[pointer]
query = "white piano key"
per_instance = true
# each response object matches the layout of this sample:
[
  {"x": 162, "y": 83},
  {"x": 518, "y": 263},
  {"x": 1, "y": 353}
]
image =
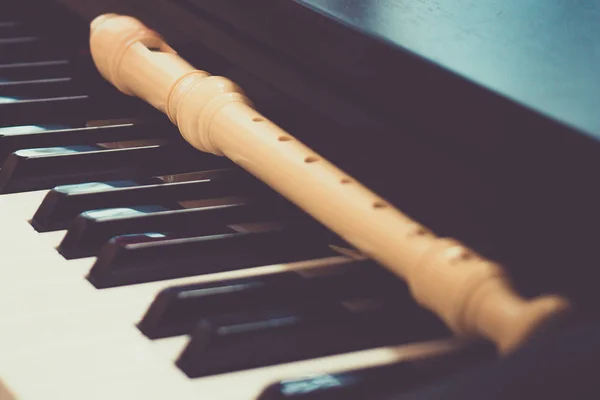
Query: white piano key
[
  {"x": 23, "y": 204},
  {"x": 52, "y": 239},
  {"x": 119, "y": 369},
  {"x": 75, "y": 341}
]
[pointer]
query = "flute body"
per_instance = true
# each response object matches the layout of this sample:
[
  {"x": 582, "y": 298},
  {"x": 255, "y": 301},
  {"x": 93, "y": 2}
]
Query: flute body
[{"x": 471, "y": 294}]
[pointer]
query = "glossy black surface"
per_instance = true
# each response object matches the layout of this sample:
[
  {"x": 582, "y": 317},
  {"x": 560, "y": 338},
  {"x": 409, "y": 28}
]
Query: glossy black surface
[
  {"x": 63, "y": 108},
  {"x": 34, "y": 136},
  {"x": 378, "y": 383},
  {"x": 176, "y": 310},
  {"x": 11, "y": 29},
  {"x": 249, "y": 340},
  {"x": 91, "y": 229},
  {"x": 40, "y": 88},
  {"x": 27, "y": 33},
  {"x": 44, "y": 168},
  {"x": 540, "y": 53},
  {"x": 121, "y": 262},
  {"x": 21, "y": 112},
  {"x": 46, "y": 74},
  {"x": 28, "y": 71},
  {"x": 29, "y": 47},
  {"x": 64, "y": 203}
]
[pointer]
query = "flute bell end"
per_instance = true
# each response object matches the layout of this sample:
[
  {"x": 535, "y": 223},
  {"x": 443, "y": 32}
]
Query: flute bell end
[{"x": 532, "y": 320}]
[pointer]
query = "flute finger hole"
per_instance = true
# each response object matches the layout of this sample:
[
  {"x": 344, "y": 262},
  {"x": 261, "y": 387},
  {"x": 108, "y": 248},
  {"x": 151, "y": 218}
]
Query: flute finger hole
[
  {"x": 379, "y": 204},
  {"x": 311, "y": 159},
  {"x": 258, "y": 119},
  {"x": 420, "y": 231},
  {"x": 284, "y": 138},
  {"x": 345, "y": 181}
]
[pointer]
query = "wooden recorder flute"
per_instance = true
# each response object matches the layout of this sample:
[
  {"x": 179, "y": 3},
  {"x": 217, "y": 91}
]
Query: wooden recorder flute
[{"x": 471, "y": 294}]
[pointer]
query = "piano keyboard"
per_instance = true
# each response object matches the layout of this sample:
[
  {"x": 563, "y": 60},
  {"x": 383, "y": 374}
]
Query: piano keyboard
[{"x": 134, "y": 267}]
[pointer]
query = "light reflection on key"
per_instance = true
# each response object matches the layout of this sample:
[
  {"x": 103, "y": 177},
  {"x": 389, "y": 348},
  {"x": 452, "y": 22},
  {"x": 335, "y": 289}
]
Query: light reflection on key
[
  {"x": 110, "y": 213},
  {"x": 92, "y": 187},
  {"x": 55, "y": 150},
  {"x": 29, "y": 129},
  {"x": 5, "y": 100}
]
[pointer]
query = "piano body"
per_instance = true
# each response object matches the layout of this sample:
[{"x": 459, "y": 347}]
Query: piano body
[{"x": 478, "y": 119}]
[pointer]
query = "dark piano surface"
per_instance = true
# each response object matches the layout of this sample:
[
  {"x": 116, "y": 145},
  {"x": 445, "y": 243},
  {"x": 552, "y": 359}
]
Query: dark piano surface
[
  {"x": 478, "y": 118},
  {"x": 540, "y": 53}
]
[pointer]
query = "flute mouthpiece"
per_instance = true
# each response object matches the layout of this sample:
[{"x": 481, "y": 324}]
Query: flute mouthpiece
[{"x": 111, "y": 35}]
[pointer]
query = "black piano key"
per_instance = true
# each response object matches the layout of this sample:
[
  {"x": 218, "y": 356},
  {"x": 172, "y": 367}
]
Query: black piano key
[
  {"x": 21, "y": 112},
  {"x": 34, "y": 47},
  {"x": 41, "y": 20},
  {"x": 29, "y": 71},
  {"x": 63, "y": 203},
  {"x": 121, "y": 262},
  {"x": 13, "y": 9},
  {"x": 20, "y": 48},
  {"x": 44, "y": 168},
  {"x": 250, "y": 340},
  {"x": 55, "y": 109},
  {"x": 376, "y": 383},
  {"x": 36, "y": 136},
  {"x": 91, "y": 229},
  {"x": 39, "y": 88},
  {"x": 42, "y": 17},
  {"x": 58, "y": 109},
  {"x": 176, "y": 310},
  {"x": 13, "y": 28}
]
